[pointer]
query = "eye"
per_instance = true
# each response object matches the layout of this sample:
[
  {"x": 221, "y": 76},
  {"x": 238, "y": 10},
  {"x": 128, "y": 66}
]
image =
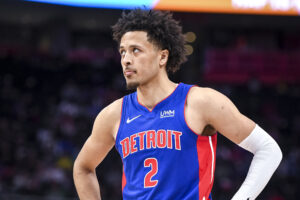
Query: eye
[
  {"x": 136, "y": 50},
  {"x": 122, "y": 52}
]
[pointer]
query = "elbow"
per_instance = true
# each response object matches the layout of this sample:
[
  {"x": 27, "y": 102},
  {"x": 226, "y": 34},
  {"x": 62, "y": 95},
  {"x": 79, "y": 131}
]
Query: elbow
[
  {"x": 274, "y": 154},
  {"x": 76, "y": 169},
  {"x": 80, "y": 168},
  {"x": 76, "y": 166}
]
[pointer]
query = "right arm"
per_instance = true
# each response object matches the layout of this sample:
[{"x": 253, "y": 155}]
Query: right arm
[{"x": 95, "y": 150}]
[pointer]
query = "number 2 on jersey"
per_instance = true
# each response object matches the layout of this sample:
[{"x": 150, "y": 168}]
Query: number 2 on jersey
[{"x": 148, "y": 182}]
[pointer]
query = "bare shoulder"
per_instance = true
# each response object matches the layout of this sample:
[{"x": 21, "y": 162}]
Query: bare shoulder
[
  {"x": 204, "y": 96},
  {"x": 112, "y": 112},
  {"x": 100, "y": 142},
  {"x": 109, "y": 118},
  {"x": 210, "y": 102},
  {"x": 218, "y": 111},
  {"x": 198, "y": 105}
]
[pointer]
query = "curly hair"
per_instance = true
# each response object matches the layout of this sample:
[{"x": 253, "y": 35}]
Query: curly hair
[{"x": 162, "y": 30}]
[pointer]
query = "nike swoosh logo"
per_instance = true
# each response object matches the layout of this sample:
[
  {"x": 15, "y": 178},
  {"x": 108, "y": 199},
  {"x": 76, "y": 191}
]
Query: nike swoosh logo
[{"x": 130, "y": 120}]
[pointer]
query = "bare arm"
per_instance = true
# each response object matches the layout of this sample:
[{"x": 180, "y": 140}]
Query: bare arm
[
  {"x": 209, "y": 107},
  {"x": 223, "y": 115},
  {"x": 220, "y": 113},
  {"x": 95, "y": 150}
]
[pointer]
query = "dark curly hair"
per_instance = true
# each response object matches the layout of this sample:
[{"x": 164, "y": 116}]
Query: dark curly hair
[{"x": 162, "y": 30}]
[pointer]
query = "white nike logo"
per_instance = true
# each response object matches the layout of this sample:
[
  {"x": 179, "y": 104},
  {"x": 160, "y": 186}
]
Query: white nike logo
[{"x": 130, "y": 120}]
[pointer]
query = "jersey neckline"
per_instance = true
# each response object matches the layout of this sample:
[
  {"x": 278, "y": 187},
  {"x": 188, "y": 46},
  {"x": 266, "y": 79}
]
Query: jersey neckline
[{"x": 160, "y": 103}]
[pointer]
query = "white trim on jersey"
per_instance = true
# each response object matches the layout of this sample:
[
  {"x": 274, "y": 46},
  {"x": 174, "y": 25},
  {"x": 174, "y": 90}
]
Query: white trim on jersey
[{"x": 212, "y": 159}]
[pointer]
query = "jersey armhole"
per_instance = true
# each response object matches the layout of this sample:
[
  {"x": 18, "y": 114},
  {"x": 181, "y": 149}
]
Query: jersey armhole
[
  {"x": 121, "y": 122},
  {"x": 184, "y": 121}
]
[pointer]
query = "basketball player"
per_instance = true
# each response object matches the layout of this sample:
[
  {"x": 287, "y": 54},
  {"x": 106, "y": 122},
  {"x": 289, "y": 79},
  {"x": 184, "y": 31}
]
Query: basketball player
[{"x": 165, "y": 132}]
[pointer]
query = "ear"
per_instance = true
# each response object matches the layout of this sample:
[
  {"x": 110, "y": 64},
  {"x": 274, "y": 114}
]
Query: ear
[{"x": 164, "y": 56}]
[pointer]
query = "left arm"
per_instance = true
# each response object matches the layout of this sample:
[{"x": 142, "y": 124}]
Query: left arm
[{"x": 220, "y": 113}]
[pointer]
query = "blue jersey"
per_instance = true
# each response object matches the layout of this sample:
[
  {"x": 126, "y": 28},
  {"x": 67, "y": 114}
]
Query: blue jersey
[{"x": 162, "y": 157}]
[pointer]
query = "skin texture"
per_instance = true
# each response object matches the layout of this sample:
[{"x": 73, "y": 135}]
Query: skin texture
[{"x": 143, "y": 64}]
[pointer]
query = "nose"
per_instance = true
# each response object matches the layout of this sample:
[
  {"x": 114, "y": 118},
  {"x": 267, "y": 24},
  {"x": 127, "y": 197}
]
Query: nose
[{"x": 127, "y": 59}]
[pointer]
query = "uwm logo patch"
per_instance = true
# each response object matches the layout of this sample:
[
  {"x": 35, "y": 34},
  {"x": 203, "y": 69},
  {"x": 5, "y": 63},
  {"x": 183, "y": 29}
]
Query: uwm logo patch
[{"x": 167, "y": 113}]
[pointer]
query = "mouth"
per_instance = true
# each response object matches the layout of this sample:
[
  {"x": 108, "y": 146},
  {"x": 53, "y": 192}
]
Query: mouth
[{"x": 129, "y": 73}]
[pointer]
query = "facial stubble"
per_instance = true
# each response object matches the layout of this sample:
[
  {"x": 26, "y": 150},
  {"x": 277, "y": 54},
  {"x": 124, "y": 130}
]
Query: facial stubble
[{"x": 132, "y": 85}]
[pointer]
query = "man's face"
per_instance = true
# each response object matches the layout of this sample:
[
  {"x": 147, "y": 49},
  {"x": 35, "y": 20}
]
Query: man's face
[{"x": 140, "y": 59}]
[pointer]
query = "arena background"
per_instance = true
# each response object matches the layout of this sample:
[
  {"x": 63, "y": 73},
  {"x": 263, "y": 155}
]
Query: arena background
[{"x": 59, "y": 67}]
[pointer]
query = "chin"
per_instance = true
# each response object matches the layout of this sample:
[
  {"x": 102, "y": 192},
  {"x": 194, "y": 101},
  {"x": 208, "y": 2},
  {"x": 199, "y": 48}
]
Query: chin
[{"x": 132, "y": 85}]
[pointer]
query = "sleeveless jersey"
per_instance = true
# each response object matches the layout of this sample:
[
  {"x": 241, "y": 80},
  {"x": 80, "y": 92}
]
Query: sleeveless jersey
[{"x": 162, "y": 157}]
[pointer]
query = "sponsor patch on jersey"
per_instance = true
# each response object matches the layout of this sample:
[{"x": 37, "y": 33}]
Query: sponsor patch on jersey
[{"x": 167, "y": 113}]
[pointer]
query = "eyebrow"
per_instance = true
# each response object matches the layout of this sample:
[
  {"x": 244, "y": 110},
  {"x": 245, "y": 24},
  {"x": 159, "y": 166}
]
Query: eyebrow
[{"x": 131, "y": 46}]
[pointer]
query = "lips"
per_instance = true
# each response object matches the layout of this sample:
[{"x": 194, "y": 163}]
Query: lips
[{"x": 129, "y": 72}]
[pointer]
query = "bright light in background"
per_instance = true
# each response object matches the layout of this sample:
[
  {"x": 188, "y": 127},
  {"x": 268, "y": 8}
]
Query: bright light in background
[
  {"x": 271, "y": 7},
  {"x": 190, "y": 37},
  {"x": 283, "y": 5},
  {"x": 189, "y": 49},
  {"x": 115, "y": 4}
]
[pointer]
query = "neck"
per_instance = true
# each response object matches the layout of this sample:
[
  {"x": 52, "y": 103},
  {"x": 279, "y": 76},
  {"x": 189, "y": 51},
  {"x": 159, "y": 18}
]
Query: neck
[{"x": 152, "y": 93}]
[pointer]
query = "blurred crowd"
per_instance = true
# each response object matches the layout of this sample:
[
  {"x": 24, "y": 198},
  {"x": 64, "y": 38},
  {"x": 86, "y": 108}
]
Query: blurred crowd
[
  {"x": 46, "y": 115},
  {"x": 49, "y": 98}
]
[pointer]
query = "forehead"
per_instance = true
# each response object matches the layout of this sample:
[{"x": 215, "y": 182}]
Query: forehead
[{"x": 139, "y": 38}]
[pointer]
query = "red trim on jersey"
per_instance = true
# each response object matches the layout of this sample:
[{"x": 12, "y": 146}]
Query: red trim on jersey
[
  {"x": 206, "y": 160},
  {"x": 184, "y": 110},
  {"x": 158, "y": 102},
  {"x": 206, "y": 164},
  {"x": 123, "y": 174},
  {"x": 120, "y": 118},
  {"x": 198, "y": 134},
  {"x": 123, "y": 180}
]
